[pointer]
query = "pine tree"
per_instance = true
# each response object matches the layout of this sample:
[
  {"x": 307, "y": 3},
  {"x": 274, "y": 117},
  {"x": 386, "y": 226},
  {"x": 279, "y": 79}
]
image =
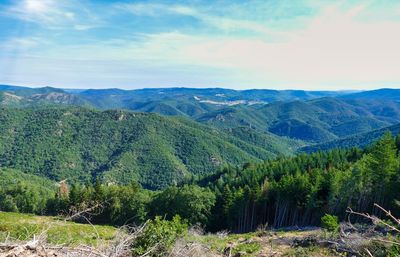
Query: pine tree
[{"x": 382, "y": 166}]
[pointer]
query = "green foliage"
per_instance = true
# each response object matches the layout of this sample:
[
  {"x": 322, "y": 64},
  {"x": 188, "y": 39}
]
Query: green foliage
[
  {"x": 330, "y": 223},
  {"x": 286, "y": 191},
  {"x": 192, "y": 203},
  {"x": 127, "y": 204},
  {"x": 158, "y": 236},
  {"x": 122, "y": 151},
  {"x": 20, "y": 192},
  {"x": 316, "y": 120},
  {"x": 117, "y": 205},
  {"x": 115, "y": 146},
  {"x": 247, "y": 249},
  {"x": 281, "y": 192},
  {"x": 394, "y": 250},
  {"x": 32, "y": 97},
  {"x": 361, "y": 140},
  {"x": 266, "y": 140},
  {"x": 300, "y": 190}
]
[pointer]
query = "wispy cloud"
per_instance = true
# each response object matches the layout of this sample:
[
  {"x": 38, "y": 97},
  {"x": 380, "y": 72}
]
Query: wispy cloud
[
  {"x": 40, "y": 11},
  {"x": 22, "y": 43},
  {"x": 220, "y": 22},
  {"x": 338, "y": 44},
  {"x": 52, "y": 14},
  {"x": 153, "y": 9}
]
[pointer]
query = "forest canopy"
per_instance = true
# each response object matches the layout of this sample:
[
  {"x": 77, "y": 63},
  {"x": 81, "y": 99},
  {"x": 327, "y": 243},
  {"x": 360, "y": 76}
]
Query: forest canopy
[{"x": 286, "y": 191}]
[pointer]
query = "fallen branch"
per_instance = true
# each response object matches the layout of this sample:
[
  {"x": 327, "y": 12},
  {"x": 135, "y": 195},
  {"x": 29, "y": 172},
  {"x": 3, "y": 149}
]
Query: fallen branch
[
  {"x": 374, "y": 219},
  {"x": 388, "y": 214}
]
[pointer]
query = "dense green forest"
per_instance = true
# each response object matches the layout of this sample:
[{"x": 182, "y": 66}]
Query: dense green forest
[
  {"x": 225, "y": 166},
  {"x": 313, "y": 121},
  {"x": 119, "y": 146},
  {"x": 298, "y": 191},
  {"x": 310, "y": 117},
  {"x": 361, "y": 140},
  {"x": 285, "y": 191}
]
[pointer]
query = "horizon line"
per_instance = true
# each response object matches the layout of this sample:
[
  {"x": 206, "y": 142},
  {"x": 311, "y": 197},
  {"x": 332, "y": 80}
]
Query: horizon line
[{"x": 200, "y": 88}]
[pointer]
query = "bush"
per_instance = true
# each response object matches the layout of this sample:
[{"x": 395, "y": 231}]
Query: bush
[
  {"x": 190, "y": 202},
  {"x": 330, "y": 223},
  {"x": 159, "y": 236}
]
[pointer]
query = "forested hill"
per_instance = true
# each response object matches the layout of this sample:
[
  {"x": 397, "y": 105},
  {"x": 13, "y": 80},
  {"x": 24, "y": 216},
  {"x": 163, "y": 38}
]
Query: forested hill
[
  {"x": 383, "y": 93},
  {"x": 314, "y": 121},
  {"x": 189, "y": 101},
  {"x": 119, "y": 146},
  {"x": 298, "y": 191},
  {"x": 312, "y": 117},
  {"x": 358, "y": 140},
  {"x": 283, "y": 192},
  {"x": 11, "y": 96}
]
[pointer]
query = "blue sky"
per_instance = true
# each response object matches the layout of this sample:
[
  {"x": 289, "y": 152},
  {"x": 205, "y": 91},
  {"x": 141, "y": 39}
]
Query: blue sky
[{"x": 234, "y": 44}]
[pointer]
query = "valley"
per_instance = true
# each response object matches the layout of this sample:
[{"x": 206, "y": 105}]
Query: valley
[
  {"x": 310, "y": 117},
  {"x": 161, "y": 137},
  {"x": 167, "y": 161}
]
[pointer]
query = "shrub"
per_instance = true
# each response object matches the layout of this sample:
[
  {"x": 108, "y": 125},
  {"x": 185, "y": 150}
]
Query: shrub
[
  {"x": 330, "y": 223},
  {"x": 159, "y": 236}
]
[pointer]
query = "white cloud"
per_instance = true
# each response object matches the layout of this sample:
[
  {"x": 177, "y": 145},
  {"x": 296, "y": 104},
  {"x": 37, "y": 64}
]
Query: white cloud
[
  {"x": 222, "y": 23},
  {"x": 397, "y": 12},
  {"x": 337, "y": 47},
  {"x": 183, "y": 10},
  {"x": 53, "y": 14},
  {"x": 36, "y": 6},
  {"x": 139, "y": 9},
  {"x": 83, "y": 27},
  {"x": 40, "y": 11},
  {"x": 21, "y": 43},
  {"x": 152, "y": 9},
  {"x": 70, "y": 15}
]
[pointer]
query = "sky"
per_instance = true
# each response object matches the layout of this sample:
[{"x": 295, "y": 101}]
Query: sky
[{"x": 240, "y": 44}]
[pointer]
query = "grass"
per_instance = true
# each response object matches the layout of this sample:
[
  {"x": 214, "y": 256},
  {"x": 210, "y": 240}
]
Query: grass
[
  {"x": 23, "y": 227},
  {"x": 242, "y": 244},
  {"x": 247, "y": 249},
  {"x": 265, "y": 243}
]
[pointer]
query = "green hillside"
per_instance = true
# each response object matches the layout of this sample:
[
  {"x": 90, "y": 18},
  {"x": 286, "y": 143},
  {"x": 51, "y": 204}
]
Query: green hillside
[
  {"x": 268, "y": 141},
  {"x": 29, "y": 97},
  {"x": 383, "y": 93},
  {"x": 278, "y": 121},
  {"x": 105, "y": 98},
  {"x": 171, "y": 107},
  {"x": 235, "y": 116},
  {"x": 312, "y": 117},
  {"x": 24, "y": 192},
  {"x": 359, "y": 140},
  {"x": 118, "y": 146},
  {"x": 315, "y": 121}
]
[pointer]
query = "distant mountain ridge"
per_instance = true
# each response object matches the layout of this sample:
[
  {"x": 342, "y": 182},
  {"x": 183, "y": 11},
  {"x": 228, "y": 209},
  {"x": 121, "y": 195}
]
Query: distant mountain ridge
[
  {"x": 119, "y": 135},
  {"x": 316, "y": 120},
  {"x": 11, "y": 96},
  {"x": 383, "y": 93},
  {"x": 119, "y": 98},
  {"x": 359, "y": 140},
  {"x": 309, "y": 116}
]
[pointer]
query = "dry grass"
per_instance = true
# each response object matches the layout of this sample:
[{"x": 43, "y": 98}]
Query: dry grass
[{"x": 27, "y": 235}]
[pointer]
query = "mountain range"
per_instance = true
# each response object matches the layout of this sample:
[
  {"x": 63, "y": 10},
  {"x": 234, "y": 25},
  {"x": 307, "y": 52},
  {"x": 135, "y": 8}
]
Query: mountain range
[{"x": 163, "y": 136}]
